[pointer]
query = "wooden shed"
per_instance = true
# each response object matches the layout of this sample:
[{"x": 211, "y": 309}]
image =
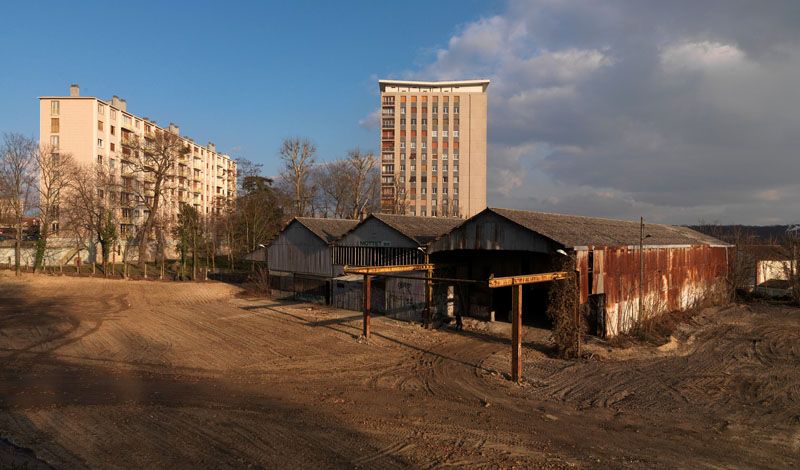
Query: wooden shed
[
  {"x": 681, "y": 267},
  {"x": 300, "y": 257},
  {"x": 384, "y": 240}
]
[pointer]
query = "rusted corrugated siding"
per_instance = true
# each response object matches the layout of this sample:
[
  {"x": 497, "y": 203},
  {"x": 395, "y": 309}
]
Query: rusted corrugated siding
[{"x": 675, "y": 278}]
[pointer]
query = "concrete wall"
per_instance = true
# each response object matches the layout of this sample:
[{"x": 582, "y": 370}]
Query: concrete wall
[{"x": 768, "y": 270}]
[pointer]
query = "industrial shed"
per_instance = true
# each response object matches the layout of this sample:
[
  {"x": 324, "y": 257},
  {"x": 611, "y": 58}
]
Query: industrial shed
[
  {"x": 681, "y": 266},
  {"x": 300, "y": 258},
  {"x": 386, "y": 240}
]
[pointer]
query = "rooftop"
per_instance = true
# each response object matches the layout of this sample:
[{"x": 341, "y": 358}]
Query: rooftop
[
  {"x": 420, "y": 229},
  {"x": 574, "y": 230},
  {"x": 444, "y": 83},
  {"x": 327, "y": 230}
]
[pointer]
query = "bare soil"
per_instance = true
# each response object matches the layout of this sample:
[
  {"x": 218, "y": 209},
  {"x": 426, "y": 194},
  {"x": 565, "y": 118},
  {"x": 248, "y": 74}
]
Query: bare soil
[{"x": 111, "y": 373}]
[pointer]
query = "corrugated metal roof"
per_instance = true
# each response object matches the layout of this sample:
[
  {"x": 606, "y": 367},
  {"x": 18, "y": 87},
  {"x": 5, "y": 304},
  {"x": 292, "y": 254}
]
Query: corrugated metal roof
[
  {"x": 420, "y": 229},
  {"x": 327, "y": 230},
  {"x": 575, "y": 230}
]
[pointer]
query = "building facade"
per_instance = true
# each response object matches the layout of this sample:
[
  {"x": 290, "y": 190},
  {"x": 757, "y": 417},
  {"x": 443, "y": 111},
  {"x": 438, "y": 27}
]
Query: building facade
[
  {"x": 433, "y": 147},
  {"x": 95, "y": 131}
]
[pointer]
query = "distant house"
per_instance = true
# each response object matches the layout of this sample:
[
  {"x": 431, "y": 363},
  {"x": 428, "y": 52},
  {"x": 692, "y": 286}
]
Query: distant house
[
  {"x": 768, "y": 268},
  {"x": 299, "y": 258}
]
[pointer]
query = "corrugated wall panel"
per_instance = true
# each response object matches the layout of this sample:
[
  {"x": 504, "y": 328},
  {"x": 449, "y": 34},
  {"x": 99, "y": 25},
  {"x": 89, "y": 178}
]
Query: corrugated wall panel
[{"x": 674, "y": 279}]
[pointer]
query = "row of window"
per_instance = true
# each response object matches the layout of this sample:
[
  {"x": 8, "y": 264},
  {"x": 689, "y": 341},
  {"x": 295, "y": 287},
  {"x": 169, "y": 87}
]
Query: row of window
[{"x": 434, "y": 110}]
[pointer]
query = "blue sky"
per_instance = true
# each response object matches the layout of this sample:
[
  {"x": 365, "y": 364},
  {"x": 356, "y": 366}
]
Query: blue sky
[{"x": 243, "y": 74}]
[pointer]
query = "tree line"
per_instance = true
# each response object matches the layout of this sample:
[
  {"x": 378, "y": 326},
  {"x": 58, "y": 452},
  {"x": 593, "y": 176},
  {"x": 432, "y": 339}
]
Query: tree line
[{"x": 91, "y": 204}]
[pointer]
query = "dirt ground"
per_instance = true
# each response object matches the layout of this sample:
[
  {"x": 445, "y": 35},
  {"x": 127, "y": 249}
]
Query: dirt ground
[{"x": 99, "y": 373}]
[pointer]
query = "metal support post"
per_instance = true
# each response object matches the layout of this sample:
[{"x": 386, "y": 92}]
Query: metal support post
[
  {"x": 367, "y": 300},
  {"x": 428, "y": 297},
  {"x": 516, "y": 333}
]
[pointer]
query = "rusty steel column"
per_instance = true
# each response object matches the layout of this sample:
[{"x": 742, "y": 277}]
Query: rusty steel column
[
  {"x": 428, "y": 297},
  {"x": 516, "y": 333},
  {"x": 367, "y": 301},
  {"x": 578, "y": 313}
]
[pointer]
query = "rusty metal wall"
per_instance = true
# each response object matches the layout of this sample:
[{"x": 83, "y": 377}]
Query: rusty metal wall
[{"x": 675, "y": 278}]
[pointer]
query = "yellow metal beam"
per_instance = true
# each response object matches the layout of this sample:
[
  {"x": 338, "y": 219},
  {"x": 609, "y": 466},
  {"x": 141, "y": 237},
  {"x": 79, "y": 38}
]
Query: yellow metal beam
[
  {"x": 527, "y": 279},
  {"x": 387, "y": 269}
]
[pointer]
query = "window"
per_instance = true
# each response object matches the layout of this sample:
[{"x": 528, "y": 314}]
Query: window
[
  {"x": 444, "y": 110},
  {"x": 54, "y": 127},
  {"x": 100, "y": 126},
  {"x": 112, "y": 146},
  {"x": 434, "y": 134},
  {"x": 100, "y": 109},
  {"x": 455, "y": 134},
  {"x": 138, "y": 124},
  {"x": 113, "y": 114},
  {"x": 100, "y": 143},
  {"x": 100, "y": 159},
  {"x": 126, "y": 120},
  {"x": 455, "y": 110},
  {"x": 113, "y": 130},
  {"x": 54, "y": 107},
  {"x": 54, "y": 142},
  {"x": 444, "y": 134},
  {"x": 112, "y": 162}
]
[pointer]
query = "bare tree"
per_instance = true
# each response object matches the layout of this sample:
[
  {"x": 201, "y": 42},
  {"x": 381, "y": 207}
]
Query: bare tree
[
  {"x": 399, "y": 199},
  {"x": 17, "y": 173},
  {"x": 332, "y": 180},
  {"x": 259, "y": 212},
  {"x": 298, "y": 156},
  {"x": 363, "y": 180},
  {"x": 742, "y": 265},
  {"x": 449, "y": 207},
  {"x": 90, "y": 209},
  {"x": 56, "y": 173},
  {"x": 155, "y": 156}
]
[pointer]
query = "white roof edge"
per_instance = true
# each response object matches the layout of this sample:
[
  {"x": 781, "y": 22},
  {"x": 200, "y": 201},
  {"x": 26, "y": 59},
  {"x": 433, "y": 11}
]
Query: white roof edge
[{"x": 440, "y": 83}]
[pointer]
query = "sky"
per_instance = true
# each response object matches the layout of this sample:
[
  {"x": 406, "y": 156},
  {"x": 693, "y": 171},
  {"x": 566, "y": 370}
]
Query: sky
[{"x": 677, "y": 111}]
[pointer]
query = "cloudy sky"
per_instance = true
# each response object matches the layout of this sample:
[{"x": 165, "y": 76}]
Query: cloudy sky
[
  {"x": 677, "y": 111},
  {"x": 674, "y": 110}
]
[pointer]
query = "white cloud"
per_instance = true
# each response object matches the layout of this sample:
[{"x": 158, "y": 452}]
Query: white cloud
[
  {"x": 701, "y": 55},
  {"x": 618, "y": 107},
  {"x": 372, "y": 120}
]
